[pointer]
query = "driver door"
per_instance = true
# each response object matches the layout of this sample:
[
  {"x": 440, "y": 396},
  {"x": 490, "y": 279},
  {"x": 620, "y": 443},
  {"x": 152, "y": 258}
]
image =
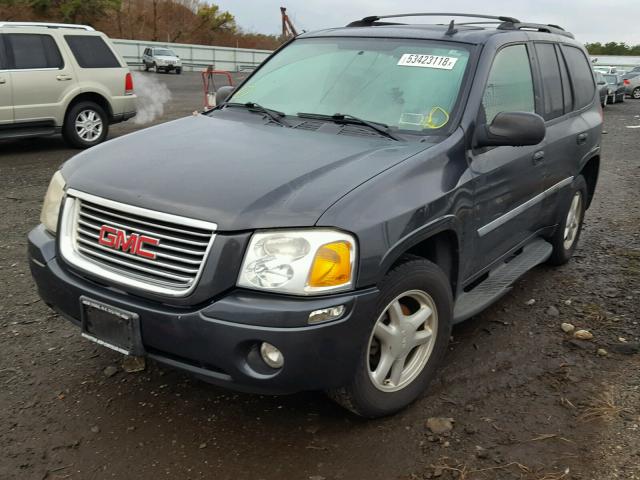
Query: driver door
[{"x": 508, "y": 180}]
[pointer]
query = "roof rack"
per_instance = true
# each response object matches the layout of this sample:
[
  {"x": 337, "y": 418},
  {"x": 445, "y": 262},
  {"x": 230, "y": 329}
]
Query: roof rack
[
  {"x": 504, "y": 23},
  {"x": 539, "y": 27},
  {"x": 47, "y": 25},
  {"x": 368, "y": 21}
]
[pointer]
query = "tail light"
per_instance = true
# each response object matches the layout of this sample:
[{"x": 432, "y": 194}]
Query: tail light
[
  {"x": 626, "y": 81},
  {"x": 128, "y": 84}
]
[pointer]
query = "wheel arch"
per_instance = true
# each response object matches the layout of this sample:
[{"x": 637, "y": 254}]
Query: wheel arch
[
  {"x": 590, "y": 172},
  {"x": 91, "y": 97},
  {"x": 437, "y": 242}
]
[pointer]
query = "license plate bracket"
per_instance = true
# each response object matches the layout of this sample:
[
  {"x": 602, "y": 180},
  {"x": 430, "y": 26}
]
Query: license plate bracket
[{"x": 111, "y": 327}]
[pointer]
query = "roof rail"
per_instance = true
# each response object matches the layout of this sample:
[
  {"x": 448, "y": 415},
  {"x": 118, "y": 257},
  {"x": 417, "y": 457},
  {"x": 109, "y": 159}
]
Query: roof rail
[
  {"x": 368, "y": 21},
  {"x": 46, "y": 25},
  {"x": 547, "y": 28},
  {"x": 504, "y": 23}
]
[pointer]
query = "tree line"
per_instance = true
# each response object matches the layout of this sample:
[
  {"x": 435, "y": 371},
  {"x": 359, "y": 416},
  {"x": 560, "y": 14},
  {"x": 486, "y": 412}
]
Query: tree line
[
  {"x": 181, "y": 21},
  {"x": 612, "y": 48}
]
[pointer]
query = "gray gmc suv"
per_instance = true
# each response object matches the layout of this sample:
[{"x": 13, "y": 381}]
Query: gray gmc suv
[{"x": 325, "y": 226}]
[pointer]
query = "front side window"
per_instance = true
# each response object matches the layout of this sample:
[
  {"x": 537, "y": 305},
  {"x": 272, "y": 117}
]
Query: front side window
[
  {"x": 3, "y": 56},
  {"x": 510, "y": 84},
  {"x": 33, "y": 51},
  {"x": 404, "y": 83}
]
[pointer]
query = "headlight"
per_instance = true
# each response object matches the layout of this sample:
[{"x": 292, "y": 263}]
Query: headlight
[
  {"x": 300, "y": 262},
  {"x": 52, "y": 201}
]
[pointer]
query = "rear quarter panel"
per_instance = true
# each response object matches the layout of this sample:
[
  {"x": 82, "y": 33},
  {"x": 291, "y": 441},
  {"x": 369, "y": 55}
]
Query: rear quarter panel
[{"x": 107, "y": 82}]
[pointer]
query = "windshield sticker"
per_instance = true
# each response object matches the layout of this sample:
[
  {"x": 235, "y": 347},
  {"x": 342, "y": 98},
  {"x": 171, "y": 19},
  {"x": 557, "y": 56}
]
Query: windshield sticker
[
  {"x": 415, "y": 119},
  {"x": 427, "y": 61}
]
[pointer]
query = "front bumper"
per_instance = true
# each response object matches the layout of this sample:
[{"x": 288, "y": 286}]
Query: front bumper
[{"x": 218, "y": 341}]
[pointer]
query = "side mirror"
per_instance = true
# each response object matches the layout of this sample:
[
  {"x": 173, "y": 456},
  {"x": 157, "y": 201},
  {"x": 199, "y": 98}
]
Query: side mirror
[
  {"x": 514, "y": 129},
  {"x": 223, "y": 93}
]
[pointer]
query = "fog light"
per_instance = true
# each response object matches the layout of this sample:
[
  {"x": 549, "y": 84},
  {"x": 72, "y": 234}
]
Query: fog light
[
  {"x": 271, "y": 355},
  {"x": 326, "y": 314}
]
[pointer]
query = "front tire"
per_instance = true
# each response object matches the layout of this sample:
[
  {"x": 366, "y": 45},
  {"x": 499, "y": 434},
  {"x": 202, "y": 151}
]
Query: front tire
[
  {"x": 565, "y": 239},
  {"x": 178, "y": 71},
  {"x": 408, "y": 338},
  {"x": 85, "y": 125}
]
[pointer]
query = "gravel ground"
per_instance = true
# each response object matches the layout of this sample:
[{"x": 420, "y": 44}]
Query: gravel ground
[{"x": 527, "y": 401}]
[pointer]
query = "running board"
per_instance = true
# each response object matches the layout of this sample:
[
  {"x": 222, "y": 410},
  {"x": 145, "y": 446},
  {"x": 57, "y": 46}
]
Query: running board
[{"x": 500, "y": 280}]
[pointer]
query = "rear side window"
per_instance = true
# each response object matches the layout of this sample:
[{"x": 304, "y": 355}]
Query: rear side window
[
  {"x": 566, "y": 83},
  {"x": 581, "y": 76},
  {"x": 32, "y": 51},
  {"x": 510, "y": 84},
  {"x": 551, "y": 80},
  {"x": 91, "y": 51}
]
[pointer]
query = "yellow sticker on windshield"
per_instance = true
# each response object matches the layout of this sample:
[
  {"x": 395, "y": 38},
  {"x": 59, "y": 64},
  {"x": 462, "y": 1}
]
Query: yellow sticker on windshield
[
  {"x": 427, "y": 61},
  {"x": 438, "y": 117}
]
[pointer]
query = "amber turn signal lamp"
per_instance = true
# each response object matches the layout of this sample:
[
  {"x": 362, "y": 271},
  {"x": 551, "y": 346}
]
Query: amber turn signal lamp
[{"x": 331, "y": 266}]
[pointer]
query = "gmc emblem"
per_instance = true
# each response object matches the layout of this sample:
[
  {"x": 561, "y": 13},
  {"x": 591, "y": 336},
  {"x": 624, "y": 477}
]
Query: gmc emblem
[{"x": 119, "y": 240}]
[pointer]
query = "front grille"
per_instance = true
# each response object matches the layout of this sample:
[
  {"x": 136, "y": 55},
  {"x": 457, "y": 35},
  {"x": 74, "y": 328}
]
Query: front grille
[{"x": 141, "y": 248}]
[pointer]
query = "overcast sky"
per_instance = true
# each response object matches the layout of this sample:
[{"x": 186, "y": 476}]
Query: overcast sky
[{"x": 589, "y": 20}]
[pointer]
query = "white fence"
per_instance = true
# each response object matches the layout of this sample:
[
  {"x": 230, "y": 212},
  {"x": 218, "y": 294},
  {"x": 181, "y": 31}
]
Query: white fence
[{"x": 196, "y": 57}]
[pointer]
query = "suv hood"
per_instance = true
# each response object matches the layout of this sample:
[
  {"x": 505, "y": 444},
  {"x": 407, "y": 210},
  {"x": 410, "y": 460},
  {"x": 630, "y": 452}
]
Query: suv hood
[{"x": 239, "y": 175}]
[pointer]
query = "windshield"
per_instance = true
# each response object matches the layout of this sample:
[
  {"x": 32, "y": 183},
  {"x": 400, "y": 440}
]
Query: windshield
[
  {"x": 164, "y": 52},
  {"x": 403, "y": 83}
]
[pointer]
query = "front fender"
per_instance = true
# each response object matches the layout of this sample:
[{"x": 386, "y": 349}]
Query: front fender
[
  {"x": 446, "y": 223},
  {"x": 426, "y": 194}
]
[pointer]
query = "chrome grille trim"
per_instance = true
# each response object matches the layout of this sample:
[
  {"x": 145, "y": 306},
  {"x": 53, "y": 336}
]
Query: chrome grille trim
[{"x": 184, "y": 245}]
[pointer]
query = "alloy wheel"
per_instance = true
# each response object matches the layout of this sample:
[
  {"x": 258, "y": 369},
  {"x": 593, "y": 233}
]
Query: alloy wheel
[
  {"x": 88, "y": 125},
  {"x": 402, "y": 340},
  {"x": 574, "y": 218}
]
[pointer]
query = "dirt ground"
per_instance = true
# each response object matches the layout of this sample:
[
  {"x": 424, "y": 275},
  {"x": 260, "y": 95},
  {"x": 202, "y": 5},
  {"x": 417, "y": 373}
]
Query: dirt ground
[{"x": 527, "y": 401}]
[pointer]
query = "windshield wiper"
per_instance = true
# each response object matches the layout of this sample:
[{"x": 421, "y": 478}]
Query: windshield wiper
[
  {"x": 381, "y": 128},
  {"x": 274, "y": 115}
]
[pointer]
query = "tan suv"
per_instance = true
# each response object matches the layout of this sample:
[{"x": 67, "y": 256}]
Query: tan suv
[{"x": 61, "y": 78}]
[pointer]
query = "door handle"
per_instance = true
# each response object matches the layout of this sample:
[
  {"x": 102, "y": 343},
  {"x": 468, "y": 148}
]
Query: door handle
[
  {"x": 582, "y": 138},
  {"x": 538, "y": 157},
  {"x": 3, "y": 81},
  {"x": 63, "y": 78}
]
